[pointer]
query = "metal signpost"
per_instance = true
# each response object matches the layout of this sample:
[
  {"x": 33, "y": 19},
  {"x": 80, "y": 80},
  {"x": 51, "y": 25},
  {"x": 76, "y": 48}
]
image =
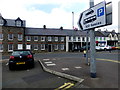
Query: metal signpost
[{"x": 97, "y": 16}]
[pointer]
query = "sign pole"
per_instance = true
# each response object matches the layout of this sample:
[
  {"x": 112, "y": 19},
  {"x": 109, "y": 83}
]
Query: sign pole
[
  {"x": 87, "y": 62},
  {"x": 92, "y": 49}
]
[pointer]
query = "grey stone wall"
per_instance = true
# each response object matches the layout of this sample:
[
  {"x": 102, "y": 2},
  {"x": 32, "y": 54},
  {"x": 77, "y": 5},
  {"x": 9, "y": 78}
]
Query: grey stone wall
[{"x": 15, "y": 31}]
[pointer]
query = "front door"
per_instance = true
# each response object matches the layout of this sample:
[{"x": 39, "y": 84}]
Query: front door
[{"x": 49, "y": 48}]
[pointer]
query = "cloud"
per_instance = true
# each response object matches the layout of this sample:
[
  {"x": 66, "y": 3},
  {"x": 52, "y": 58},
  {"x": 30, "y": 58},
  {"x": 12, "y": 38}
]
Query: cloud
[{"x": 37, "y": 14}]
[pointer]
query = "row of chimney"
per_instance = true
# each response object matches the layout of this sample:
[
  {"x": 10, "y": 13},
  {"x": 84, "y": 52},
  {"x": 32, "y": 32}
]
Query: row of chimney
[{"x": 61, "y": 28}]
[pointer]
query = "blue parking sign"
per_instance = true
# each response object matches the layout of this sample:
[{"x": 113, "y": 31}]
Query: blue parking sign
[{"x": 100, "y": 11}]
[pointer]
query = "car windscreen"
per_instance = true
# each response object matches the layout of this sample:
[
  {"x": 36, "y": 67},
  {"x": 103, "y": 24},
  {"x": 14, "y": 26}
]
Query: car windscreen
[{"x": 17, "y": 53}]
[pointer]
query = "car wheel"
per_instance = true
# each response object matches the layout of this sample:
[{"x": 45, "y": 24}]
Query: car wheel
[
  {"x": 11, "y": 67},
  {"x": 32, "y": 65}
]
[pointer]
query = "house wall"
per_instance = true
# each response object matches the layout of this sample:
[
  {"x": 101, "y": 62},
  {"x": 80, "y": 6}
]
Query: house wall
[
  {"x": 15, "y": 31},
  {"x": 49, "y": 45}
]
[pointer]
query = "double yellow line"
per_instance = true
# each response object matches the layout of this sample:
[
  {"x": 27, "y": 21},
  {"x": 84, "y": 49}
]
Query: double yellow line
[{"x": 65, "y": 86}]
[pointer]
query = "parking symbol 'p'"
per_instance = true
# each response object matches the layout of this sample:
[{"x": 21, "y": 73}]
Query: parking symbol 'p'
[{"x": 100, "y": 12}]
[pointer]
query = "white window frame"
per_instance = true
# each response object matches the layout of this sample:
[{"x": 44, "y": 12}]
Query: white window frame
[
  {"x": 28, "y": 46},
  {"x": 18, "y": 23},
  {"x": 35, "y": 45},
  {"x": 62, "y": 38},
  {"x": 35, "y": 38},
  {"x": 1, "y": 47},
  {"x": 1, "y": 21},
  {"x": 28, "y": 38},
  {"x": 20, "y": 37},
  {"x": 9, "y": 36},
  {"x": 1, "y": 36},
  {"x": 42, "y": 46},
  {"x": 74, "y": 38},
  {"x": 20, "y": 46},
  {"x": 62, "y": 46},
  {"x": 49, "y": 38},
  {"x": 70, "y": 38},
  {"x": 10, "y": 50},
  {"x": 83, "y": 39},
  {"x": 56, "y": 38},
  {"x": 56, "y": 46},
  {"x": 43, "y": 38},
  {"x": 79, "y": 39}
]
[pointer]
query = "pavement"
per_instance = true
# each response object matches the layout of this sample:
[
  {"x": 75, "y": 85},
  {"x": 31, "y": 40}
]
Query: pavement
[{"x": 76, "y": 69}]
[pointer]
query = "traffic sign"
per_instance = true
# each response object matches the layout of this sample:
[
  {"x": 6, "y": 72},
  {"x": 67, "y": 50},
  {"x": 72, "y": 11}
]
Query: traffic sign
[{"x": 93, "y": 17}]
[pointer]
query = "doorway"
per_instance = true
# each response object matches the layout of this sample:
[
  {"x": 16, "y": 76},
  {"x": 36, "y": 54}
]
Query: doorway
[{"x": 50, "y": 48}]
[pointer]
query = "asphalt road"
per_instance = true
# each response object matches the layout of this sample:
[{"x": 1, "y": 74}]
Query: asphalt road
[
  {"x": 30, "y": 78},
  {"x": 37, "y": 78},
  {"x": 113, "y": 55}
]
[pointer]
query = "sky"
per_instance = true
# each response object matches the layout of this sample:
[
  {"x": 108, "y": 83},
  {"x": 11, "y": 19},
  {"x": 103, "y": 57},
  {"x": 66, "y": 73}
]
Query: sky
[{"x": 52, "y": 13}]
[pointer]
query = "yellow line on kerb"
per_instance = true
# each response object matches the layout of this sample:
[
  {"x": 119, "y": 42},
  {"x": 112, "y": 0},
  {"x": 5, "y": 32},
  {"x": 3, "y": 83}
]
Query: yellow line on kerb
[
  {"x": 115, "y": 61},
  {"x": 65, "y": 86}
]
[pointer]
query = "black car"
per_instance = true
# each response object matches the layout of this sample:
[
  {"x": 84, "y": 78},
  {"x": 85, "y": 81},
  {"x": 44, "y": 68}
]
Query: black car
[{"x": 20, "y": 58}]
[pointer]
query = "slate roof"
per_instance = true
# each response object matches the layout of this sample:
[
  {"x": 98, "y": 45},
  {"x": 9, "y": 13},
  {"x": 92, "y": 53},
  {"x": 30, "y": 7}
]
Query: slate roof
[
  {"x": 106, "y": 33},
  {"x": 11, "y": 22},
  {"x": 99, "y": 34},
  {"x": 50, "y": 31}
]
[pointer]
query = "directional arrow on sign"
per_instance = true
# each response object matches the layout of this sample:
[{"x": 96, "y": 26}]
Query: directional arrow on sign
[
  {"x": 93, "y": 17},
  {"x": 79, "y": 22}
]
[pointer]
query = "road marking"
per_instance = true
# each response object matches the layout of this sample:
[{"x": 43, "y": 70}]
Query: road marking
[
  {"x": 46, "y": 59},
  {"x": 78, "y": 67},
  {"x": 47, "y": 62},
  {"x": 64, "y": 69},
  {"x": 115, "y": 61},
  {"x": 7, "y": 64},
  {"x": 51, "y": 64},
  {"x": 65, "y": 86}
]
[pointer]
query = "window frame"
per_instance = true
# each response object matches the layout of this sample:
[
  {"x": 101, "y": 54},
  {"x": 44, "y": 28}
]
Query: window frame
[
  {"x": 42, "y": 38},
  {"x": 20, "y": 46},
  {"x": 18, "y": 23},
  {"x": 35, "y": 45},
  {"x": 56, "y": 39},
  {"x": 1, "y": 47},
  {"x": 42, "y": 46},
  {"x": 49, "y": 38},
  {"x": 79, "y": 39},
  {"x": 28, "y": 38},
  {"x": 62, "y": 47},
  {"x": 29, "y": 46},
  {"x": 35, "y": 39},
  {"x": 10, "y": 50},
  {"x": 10, "y": 36},
  {"x": 20, "y": 37},
  {"x": 56, "y": 46},
  {"x": 1, "y": 22},
  {"x": 62, "y": 39},
  {"x": 1, "y": 36}
]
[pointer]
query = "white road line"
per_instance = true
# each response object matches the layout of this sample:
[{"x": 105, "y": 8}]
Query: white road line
[
  {"x": 7, "y": 64},
  {"x": 64, "y": 69},
  {"x": 48, "y": 62},
  {"x": 51, "y": 64},
  {"x": 78, "y": 67},
  {"x": 46, "y": 59}
]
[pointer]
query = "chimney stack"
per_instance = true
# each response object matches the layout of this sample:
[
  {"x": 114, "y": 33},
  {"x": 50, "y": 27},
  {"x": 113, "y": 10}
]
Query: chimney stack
[
  {"x": 44, "y": 26},
  {"x": 61, "y": 28}
]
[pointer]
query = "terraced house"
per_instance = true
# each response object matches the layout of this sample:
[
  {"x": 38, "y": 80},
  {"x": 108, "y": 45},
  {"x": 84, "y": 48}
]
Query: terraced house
[{"x": 15, "y": 35}]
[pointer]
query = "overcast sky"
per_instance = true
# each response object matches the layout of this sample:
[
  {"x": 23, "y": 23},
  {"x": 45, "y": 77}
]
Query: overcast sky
[{"x": 52, "y": 13}]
